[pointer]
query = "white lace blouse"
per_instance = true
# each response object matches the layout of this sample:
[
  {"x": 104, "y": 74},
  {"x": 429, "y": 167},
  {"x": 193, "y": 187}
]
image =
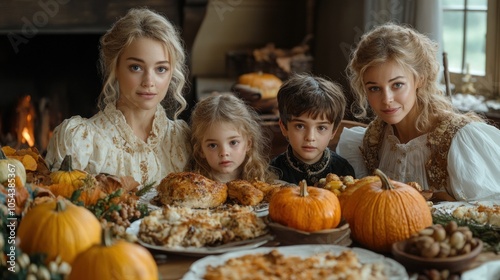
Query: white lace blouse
[
  {"x": 474, "y": 172},
  {"x": 105, "y": 143}
]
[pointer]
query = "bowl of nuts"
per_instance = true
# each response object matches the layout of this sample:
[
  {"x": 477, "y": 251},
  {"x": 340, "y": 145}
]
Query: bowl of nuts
[{"x": 449, "y": 247}]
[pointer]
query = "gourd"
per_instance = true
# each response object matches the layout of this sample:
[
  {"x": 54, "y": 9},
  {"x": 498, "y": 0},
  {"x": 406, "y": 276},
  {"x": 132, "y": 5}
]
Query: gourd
[
  {"x": 305, "y": 208},
  {"x": 9, "y": 166},
  {"x": 66, "y": 174},
  {"x": 119, "y": 261},
  {"x": 384, "y": 212},
  {"x": 58, "y": 228}
]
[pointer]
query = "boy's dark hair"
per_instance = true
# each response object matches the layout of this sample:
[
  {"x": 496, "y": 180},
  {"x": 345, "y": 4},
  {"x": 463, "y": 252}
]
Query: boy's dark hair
[{"x": 316, "y": 96}]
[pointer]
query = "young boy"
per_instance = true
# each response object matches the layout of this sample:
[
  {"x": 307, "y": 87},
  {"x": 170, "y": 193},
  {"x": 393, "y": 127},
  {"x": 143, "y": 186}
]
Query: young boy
[{"x": 310, "y": 109}]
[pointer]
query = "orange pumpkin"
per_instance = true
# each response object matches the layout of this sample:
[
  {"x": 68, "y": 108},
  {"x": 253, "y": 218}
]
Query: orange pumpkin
[
  {"x": 384, "y": 212},
  {"x": 119, "y": 261},
  {"x": 58, "y": 228},
  {"x": 62, "y": 189},
  {"x": 344, "y": 196},
  {"x": 305, "y": 208},
  {"x": 88, "y": 194},
  {"x": 66, "y": 173}
]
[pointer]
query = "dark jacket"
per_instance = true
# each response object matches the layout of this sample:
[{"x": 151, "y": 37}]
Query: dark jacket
[{"x": 293, "y": 170}]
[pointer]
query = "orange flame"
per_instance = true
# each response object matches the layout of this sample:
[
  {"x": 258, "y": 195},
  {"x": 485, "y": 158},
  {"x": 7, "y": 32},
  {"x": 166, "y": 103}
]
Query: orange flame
[
  {"x": 26, "y": 113},
  {"x": 27, "y": 137}
]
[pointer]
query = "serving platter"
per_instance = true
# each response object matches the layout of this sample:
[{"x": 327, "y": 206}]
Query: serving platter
[
  {"x": 490, "y": 220},
  {"x": 393, "y": 269},
  {"x": 133, "y": 229}
]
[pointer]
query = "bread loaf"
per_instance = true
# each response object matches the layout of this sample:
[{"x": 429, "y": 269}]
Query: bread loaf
[{"x": 190, "y": 189}]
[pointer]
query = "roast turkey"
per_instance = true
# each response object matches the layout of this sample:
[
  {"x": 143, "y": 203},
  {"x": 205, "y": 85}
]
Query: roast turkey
[{"x": 191, "y": 189}]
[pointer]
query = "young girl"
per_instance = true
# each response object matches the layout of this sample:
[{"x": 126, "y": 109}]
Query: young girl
[
  {"x": 143, "y": 64},
  {"x": 417, "y": 134},
  {"x": 227, "y": 141}
]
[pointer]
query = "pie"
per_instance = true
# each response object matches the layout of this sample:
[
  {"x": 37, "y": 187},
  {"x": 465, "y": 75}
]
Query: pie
[{"x": 274, "y": 265}]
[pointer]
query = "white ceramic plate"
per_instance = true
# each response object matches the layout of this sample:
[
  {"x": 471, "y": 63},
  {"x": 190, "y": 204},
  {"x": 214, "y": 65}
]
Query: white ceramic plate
[
  {"x": 262, "y": 209},
  {"x": 447, "y": 208},
  {"x": 203, "y": 251},
  {"x": 393, "y": 269}
]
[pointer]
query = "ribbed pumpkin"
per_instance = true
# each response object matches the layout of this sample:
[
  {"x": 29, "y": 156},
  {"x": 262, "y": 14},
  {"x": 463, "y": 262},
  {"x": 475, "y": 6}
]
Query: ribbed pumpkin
[
  {"x": 305, "y": 208},
  {"x": 385, "y": 212},
  {"x": 351, "y": 188},
  {"x": 58, "y": 228},
  {"x": 119, "y": 261},
  {"x": 66, "y": 174}
]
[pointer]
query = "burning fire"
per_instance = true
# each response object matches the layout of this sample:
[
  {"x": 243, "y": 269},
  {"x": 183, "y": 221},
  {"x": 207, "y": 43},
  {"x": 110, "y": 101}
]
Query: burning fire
[
  {"x": 27, "y": 137},
  {"x": 26, "y": 124}
]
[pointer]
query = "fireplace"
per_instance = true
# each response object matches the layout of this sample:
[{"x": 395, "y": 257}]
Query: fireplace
[{"x": 54, "y": 76}]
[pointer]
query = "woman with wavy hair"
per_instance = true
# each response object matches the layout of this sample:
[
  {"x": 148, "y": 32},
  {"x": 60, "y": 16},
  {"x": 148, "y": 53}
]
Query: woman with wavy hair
[
  {"x": 417, "y": 134},
  {"x": 143, "y": 65}
]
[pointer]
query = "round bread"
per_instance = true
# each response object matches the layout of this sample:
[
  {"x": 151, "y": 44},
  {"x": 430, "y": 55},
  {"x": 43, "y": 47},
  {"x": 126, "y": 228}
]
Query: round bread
[
  {"x": 190, "y": 189},
  {"x": 267, "y": 84}
]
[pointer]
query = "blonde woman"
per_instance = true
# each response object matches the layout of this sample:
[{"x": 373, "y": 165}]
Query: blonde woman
[
  {"x": 143, "y": 64},
  {"x": 417, "y": 135}
]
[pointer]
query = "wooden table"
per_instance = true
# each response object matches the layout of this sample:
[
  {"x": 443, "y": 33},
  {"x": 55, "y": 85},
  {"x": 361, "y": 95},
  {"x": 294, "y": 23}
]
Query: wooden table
[{"x": 173, "y": 267}]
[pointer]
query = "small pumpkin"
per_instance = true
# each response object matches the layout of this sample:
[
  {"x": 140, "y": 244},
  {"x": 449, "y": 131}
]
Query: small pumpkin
[
  {"x": 90, "y": 191},
  {"x": 121, "y": 260},
  {"x": 305, "y": 208},
  {"x": 62, "y": 189},
  {"x": 384, "y": 212},
  {"x": 66, "y": 174},
  {"x": 9, "y": 168},
  {"x": 58, "y": 228}
]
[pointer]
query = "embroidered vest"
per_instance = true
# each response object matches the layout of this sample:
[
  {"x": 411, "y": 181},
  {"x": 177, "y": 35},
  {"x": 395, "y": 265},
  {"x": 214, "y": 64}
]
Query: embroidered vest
[{"x": 438, "y": 141}]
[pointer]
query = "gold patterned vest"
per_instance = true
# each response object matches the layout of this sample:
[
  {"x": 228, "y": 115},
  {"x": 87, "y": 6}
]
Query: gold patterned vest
[{"x": 438, "y": 141}]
